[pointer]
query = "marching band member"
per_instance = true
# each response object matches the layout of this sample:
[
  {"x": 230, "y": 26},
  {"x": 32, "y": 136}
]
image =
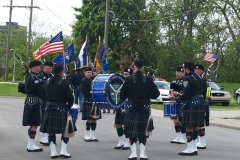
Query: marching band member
[
  {"x": 76, "y": 82},
  {"x": 194, "y": 107},
  {"x": 59, "y": 99},
  {"x": 88, "y": 108},
  {"x": 180, "y": 130},
  {"x": 32, "y": 105},
  {"x": 138, "y": 88},
  {"x": 46, "y": 73},
  {"x": 199, "y": 69},
  {"x": 119, "y": 120}
]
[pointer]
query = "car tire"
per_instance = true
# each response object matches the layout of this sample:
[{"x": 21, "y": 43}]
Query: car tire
[
  {"x": 238, "y": 99},
  {"x": 225, "y": 103}
]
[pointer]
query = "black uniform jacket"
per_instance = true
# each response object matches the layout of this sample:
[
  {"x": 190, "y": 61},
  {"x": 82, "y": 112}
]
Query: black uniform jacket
[
  {"x": 86, "y": 88},
  {"x": 54, "y": 92},
  {"x": 140, "y": 89},
  {"x": 77, "y": 78},
  {"x": 180, "y": 82},
  {"x": 192, "y": 86},
  {"x": 44, "y": 76},
  {"x": 33, "y": 85}
]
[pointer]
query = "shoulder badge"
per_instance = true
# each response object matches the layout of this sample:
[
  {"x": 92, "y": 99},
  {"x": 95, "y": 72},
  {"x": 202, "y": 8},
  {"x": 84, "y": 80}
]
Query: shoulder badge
[{"x": 185, "y": 83}]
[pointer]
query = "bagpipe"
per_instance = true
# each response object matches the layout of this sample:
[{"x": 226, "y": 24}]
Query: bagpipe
[
  {"x": 136, "y": 57},
  {"x": 206, "y": 72},
  {"x": 149, "y": 68},
  {"x": 21, "y": 86},
  {"x": 26, "y": 69}
]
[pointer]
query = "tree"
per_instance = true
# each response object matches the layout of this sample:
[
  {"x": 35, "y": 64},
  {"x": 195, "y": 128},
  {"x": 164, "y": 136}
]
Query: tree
[{"x": 129, "y": 30}]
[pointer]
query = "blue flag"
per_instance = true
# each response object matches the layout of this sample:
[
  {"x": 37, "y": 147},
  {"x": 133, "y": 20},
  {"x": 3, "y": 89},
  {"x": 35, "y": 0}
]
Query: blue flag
[
  {"x": 70, "y": 52},
  {"x": 65, "y": 57},
  {"x": 103, "y": 58},
  {"x": 78, "y": 65}
]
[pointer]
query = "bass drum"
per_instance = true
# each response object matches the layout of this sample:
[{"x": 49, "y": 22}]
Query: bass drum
[{"x": 106, "y": 91}]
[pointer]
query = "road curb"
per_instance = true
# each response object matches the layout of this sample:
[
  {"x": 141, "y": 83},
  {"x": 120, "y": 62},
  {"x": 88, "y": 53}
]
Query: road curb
[{"x": 224, "y": 126}]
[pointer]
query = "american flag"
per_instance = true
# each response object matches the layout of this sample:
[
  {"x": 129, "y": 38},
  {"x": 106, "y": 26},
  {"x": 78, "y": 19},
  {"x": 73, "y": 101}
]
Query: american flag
[
  {"x": 54, "y": 45},
  {"x": 209, "y": 57}
]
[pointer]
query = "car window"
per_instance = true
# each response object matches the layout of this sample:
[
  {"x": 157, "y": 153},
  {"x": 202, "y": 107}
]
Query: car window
[
  {"x": 214, "y": 86},
  {"x": 162, "y": 85}
]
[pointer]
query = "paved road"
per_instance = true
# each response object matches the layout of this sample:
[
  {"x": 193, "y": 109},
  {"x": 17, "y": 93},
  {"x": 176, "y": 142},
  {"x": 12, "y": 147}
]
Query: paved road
[{"x": 222, "y": 143}]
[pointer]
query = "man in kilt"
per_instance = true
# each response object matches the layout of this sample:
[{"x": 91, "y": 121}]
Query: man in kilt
[
  {"x": 138, "y": 88},
  {"x": 90, "y": 112},
  {"x": 199, "y": 69},
  {"x": 194, "y": 107},
  {"x": 46, "y": 73},
  {"x": 120, "y": 118},
  {"x": 32, "y": 105},
  {"x": 180, "y": 130},
  {"x": 59, "y": 99},
  {"x": 76, "y": 82}
]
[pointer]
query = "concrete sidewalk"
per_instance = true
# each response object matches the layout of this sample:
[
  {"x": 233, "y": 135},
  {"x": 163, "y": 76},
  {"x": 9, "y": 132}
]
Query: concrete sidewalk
[{"x": 217, "y": 118}]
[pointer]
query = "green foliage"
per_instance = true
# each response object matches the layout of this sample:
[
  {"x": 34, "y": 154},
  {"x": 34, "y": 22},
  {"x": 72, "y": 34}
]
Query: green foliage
[{"x": 126, "y": 36}]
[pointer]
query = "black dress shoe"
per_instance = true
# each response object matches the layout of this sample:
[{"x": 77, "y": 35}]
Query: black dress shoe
[
  {"x": 186, "y": 154},
  {"x": 118, "y": 147},
  {"x": 94, "y": 140},
  {"x": 87, "y": 140},
  {"x": 143, "y": 159},
  {"x": 125, "y": 148},
  {"x": 64, "y": 156},
  {"x": 45, "y": 144},
  {"x": 35, "y": 150},
  {"x": 108, "y": 111},
  {"x": 54, "y": 157},
  {"x": 202, "y": 147},
  {"x": 173, "y": 142},
  {"x": 104, "y": 111},
  {"x": 180, "y": 143}
]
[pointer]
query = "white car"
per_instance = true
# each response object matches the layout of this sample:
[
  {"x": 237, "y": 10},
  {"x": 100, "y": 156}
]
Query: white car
[
  {"x": 218, "y": 95},
  {"x": 164, "y": 88}
]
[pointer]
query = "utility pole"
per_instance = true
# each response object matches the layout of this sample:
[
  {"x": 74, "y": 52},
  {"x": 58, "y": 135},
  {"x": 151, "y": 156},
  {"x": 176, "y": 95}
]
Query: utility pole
[
  {"x": 29, "y": 33},
  {"x": 9, "y": 33},
  {"x": 106, "y": 24},
  {"x": 8, "y": 41}
]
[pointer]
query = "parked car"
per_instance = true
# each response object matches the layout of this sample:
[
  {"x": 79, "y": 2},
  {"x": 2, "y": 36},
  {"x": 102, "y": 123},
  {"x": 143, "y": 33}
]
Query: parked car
[
  {"x": 164, "y": 88},
  {"x": 236, "y": 95},
  {"x": 218, "y": 95}
]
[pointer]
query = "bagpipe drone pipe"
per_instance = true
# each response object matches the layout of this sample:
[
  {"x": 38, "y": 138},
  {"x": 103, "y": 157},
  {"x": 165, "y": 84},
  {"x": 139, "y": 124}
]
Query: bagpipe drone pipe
[{"x": 21, "y": 86}]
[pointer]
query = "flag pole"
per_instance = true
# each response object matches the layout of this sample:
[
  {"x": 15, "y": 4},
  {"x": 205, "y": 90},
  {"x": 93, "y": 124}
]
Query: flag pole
[{"x": 86, "y": 52}]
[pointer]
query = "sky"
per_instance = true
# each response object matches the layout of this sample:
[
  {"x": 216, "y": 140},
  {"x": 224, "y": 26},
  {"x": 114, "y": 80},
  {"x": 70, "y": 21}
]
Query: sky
[{"x": 52, "y": 17}]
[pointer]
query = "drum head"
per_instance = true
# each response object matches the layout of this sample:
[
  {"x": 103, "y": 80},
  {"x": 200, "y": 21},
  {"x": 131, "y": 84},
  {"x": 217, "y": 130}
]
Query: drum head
[{"x": 115, "y": 83}]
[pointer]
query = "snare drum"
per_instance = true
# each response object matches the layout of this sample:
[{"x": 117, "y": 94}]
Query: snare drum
[
  {"x": 170, "y": 108},
  {"x": 106, "y": 91}
]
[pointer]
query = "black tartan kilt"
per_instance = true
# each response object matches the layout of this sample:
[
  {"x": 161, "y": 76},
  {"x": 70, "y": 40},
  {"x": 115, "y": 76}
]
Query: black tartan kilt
[
  {"x": 119, "y": 117},
  {"x": 194, "y": 116},
  {"x": 32, "y": 111},
  {"x": 54, "y": 121},
  {"x": 135, "y": 124},
  {"x": 86, "y": 112},
  {"x": 43, "y": 107}
]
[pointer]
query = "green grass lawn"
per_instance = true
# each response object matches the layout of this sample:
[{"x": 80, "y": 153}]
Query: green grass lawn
[{"x": 10, "y": 90}]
